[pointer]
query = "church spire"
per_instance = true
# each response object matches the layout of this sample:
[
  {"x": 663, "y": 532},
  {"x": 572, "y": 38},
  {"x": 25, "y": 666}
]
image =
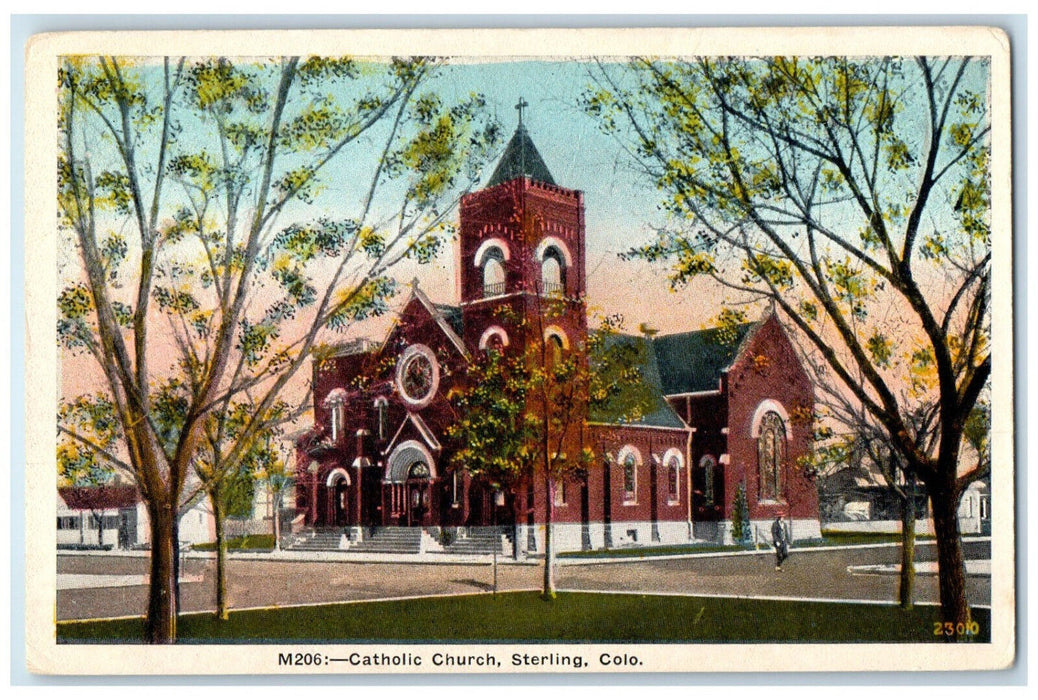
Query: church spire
[{"x": 521, "y": 158}]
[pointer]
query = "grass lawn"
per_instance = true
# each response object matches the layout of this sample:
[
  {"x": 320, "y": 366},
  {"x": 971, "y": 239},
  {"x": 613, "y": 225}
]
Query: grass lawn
[
  {"x": 244, "y": 542},
  {"x": 829, "y": 539},
  {"x": 657, "y": 550},
  {"x": 525, "y": 617},
  {"x": 852, "y": 538}
]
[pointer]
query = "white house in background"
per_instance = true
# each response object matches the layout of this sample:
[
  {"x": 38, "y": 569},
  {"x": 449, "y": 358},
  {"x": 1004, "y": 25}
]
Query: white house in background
[
  {"x": 102, "y": 516},
  {"x": 975, "y": 509},
  {"x": 113, "y": 516},
  {"x": 857, "y": 499}
]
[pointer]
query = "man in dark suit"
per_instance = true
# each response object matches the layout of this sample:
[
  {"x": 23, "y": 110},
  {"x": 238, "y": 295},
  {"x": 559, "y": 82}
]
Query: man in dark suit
[{"x": 778, "y": 537}]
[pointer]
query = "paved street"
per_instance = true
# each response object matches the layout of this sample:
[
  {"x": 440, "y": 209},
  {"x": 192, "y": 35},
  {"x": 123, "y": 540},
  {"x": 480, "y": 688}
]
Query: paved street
[{"x": 253, "y": 583}]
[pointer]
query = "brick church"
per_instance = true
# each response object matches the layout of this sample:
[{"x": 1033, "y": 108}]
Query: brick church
[{"x": 726, "y": 412}]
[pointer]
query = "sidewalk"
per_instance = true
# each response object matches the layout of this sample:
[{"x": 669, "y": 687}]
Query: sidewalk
[
  {"x": 635, "y": 555},
  {"x": 647, "y": 555},
  {"x": 974, "y": 567},
  {"x": 288, "y": 555},
  {"x": 264, "y": 579}
]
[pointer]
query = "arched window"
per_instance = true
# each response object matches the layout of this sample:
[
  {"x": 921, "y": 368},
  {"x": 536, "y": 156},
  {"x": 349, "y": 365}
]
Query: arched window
[
  {"x": 771, "y": 447},
  {"x": 555, "y": 349},
  {"x": 334, "y": 403},
  {"x": 707, "y": 464},
  {"x": 337, "y": 421},
  {"x": 674, "y": 479},
  {"x": 629, "y": 460},
  {"x": 556, "y": 343},
  {"x": 493, "y": 338},
  {"x": 553, "y": 272},
  {"x": 493, "y": 273},
  {"x": 560, "y": 491},
  {"x": 381, "y": 417}
]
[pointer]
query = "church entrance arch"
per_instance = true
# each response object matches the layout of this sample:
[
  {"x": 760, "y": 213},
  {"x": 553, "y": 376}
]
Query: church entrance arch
[
  {"x": 338, "y": 487},
  {"x": 407, "y": 484}
]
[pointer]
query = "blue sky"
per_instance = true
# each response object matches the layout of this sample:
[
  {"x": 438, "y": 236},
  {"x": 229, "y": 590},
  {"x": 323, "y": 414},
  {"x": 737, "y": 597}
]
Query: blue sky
[{"x": 619, "y": 205}]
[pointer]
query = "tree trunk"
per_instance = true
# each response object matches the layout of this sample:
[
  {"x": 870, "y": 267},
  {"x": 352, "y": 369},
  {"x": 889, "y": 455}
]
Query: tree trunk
[
  {"x": 221, "y": 557},
  {"x": 906, "y": 585},
  {"x": 161, "y": 623},
  {"x": 951, "y": 567},
  {"x": 277, "y": 523},
  {"x": 549, "y": 545}
]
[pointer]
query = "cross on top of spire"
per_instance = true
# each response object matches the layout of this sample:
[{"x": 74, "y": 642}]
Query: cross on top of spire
[
  {"x": 520, "y": 106},
  {"x": 521, "y": 158}
]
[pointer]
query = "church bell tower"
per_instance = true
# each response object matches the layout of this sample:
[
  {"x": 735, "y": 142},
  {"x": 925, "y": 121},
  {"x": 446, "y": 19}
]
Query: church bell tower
[{"x": 522, "y": 254}]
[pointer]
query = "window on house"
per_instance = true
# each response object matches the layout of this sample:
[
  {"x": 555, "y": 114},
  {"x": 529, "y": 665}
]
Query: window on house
[
  {"x": 68, "y": 522},
  {"x": 984, "y": 508},
  {"x": 494, "y": 273},
  {"x": 770, "y": 453},
  {"x": 553, "y": 272},
  {"x": 674, "y": 479},
  {"x": 630, "y": 465},
  {"x": 707, "y": 465},
  {"x": 455, "y": 489}
]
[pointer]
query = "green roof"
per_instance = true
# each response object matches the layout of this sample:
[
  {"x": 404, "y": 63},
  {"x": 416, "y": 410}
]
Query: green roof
[
  {"x": 694, "y": 361},
  {"x": 521, "y": 159},
  {"x": 661, "y": 414}
]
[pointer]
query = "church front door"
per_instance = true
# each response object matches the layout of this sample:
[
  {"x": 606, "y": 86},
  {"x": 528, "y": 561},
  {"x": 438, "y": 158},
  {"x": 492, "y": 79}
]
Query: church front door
[
  {"x": 341, "y": 503},
  {"x": 417, "y": 494}
]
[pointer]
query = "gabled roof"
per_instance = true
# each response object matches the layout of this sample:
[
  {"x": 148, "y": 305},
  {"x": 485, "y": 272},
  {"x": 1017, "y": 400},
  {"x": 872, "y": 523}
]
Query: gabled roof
[
  {"x": 521, "y": 159},
  {"x": 98, "y": 497},
  {"x": 437, "y": 313},
  {"x": 452, "y": 315},
  {"x": 660, "y": 415},
  {"x": 423, "y": 430},
  {"x": 694, "y": 361}
]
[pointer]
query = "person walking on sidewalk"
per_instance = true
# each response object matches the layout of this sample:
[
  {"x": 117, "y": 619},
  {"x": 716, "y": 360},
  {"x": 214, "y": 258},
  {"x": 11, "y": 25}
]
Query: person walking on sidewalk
[{"x": 778, "y": 537}]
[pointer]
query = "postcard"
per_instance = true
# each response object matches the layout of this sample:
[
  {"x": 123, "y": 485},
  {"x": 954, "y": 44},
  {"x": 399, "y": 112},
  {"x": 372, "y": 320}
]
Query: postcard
[{"x": 519, "y": 351}]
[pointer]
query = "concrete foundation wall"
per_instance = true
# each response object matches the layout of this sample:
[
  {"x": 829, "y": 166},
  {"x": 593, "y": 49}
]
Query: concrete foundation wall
[
  {"x": 569, "y": 536},
  {"x": 760, "y": 531}
]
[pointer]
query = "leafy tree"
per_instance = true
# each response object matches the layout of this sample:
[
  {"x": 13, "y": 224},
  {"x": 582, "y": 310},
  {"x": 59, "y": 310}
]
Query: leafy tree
[
  {"x": 197, "y": 195},
  {"x": 228, "y": 475},
  {"x": 276, "y": 475},
  {"x": 88, "y": 469},
  {"x": 854, "y": 194},
  {"x": 740, "y": 515},
  {"x": 521, "y": 414}
]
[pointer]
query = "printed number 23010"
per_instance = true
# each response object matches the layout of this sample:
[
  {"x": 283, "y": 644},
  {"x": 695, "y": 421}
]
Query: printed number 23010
[{"x": 952, "y": 629}]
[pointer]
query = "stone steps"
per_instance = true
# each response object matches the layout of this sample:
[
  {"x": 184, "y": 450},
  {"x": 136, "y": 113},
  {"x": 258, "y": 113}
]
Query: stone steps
[
  {"x": 391, "y": 540},
  {"x": 481, "y": 541},
  {"x": 317, "y": 540},
  {"x": 406, "y": 540}
]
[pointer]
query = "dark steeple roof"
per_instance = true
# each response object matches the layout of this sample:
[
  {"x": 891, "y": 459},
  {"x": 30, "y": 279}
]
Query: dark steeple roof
[
  {"x": 694, "y": 361},
  {"x": 521, "y": 159}
]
